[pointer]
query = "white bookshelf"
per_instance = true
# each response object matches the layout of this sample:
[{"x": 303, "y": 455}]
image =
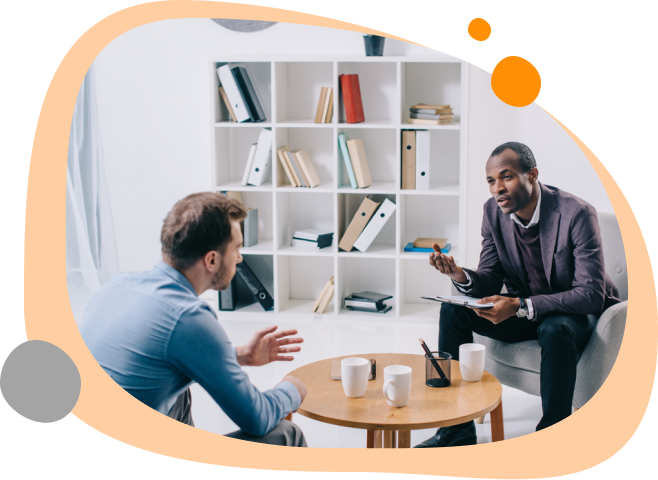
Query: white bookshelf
[{"x": 289, "y": 89}]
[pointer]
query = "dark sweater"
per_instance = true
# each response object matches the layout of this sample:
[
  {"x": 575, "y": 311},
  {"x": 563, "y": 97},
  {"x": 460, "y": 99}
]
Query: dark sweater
[{"x": 530, "y": 248}]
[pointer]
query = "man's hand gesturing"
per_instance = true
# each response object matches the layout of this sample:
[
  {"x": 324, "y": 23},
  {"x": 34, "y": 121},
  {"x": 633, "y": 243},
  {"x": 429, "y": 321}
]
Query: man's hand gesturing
[
  {"x": 266, "y": 346},
  {"x": 446, "y": 265}
]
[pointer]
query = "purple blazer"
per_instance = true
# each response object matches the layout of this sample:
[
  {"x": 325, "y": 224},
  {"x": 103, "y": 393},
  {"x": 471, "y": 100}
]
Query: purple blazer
[{"x": 571, "y": 252}]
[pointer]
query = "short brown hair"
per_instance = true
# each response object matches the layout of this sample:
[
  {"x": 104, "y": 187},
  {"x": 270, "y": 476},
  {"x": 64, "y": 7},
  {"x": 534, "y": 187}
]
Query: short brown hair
[{"x": 198, "y": 224}]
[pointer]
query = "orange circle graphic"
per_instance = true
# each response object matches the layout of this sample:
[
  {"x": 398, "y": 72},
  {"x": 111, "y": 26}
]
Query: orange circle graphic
[
  {"x": 479, "y": 29},
  {"x": 516, "y": 81}
]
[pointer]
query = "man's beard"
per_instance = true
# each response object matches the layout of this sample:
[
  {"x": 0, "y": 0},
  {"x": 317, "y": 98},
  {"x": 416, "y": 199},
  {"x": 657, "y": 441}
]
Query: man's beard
[{"x": 220, "y": 282}]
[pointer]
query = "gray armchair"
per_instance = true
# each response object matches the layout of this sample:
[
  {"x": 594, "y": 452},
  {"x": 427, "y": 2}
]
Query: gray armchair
[{"x": 517, "y": 364}]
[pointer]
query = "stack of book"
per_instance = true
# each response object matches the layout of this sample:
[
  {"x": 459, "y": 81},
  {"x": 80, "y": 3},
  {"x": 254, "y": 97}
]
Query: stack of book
[
  {"x": 351, "y": 92},
  {"x": 325, "y": 110},
  {"x": 325, "y": 297},
  {"x": 425, "y": 245},
  {"x": 259, "y": 165},
  {"x": 368, "y": 221},
  {"x": 368, "y": 302},
  {"x": 415, "y": 160},
  {"x": 356, "y": 163},
  {"x": 298, "y": 167},
  {"x": 239, "y": 94},
  {"x": 312, "y": 238},
  {"x": 424, "y": 114}
]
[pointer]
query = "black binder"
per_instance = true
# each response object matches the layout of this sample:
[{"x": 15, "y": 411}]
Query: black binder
[
  {"x": 255, "y": 286},
  {"x": 248, "y": 93},
  {"x": 228, "y": 297}
]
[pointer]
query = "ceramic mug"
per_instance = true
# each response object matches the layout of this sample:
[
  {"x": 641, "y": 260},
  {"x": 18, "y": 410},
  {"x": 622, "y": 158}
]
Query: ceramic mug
[
  {"x": 354, "y": 373},
  {"x": 471, "y": 361},
  {"x": 397, "y": 385}
]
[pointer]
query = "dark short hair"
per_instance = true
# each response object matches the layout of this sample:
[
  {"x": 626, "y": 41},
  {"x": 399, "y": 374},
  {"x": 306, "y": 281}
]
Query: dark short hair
[
  {"x": 526, "y": 158},
  {"x": 198, "y": 224}
]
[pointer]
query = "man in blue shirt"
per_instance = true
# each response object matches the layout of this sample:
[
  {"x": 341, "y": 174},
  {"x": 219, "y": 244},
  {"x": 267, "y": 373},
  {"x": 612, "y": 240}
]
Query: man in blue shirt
[{"x": 152, "y": 334}]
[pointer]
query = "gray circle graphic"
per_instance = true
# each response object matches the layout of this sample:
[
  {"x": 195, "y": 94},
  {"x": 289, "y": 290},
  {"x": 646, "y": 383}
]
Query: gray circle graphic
[
  {"x": 242, "y": 25},
  {"x": 40, "y": 381}
]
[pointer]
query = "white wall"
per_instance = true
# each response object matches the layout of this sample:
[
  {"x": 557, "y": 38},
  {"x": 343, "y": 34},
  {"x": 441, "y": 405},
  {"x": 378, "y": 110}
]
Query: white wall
[{"x": 152, "y": 88}]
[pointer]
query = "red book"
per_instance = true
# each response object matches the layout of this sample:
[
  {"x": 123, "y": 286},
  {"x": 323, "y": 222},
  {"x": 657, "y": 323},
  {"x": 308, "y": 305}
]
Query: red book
[{"x": 349, "y": 85}]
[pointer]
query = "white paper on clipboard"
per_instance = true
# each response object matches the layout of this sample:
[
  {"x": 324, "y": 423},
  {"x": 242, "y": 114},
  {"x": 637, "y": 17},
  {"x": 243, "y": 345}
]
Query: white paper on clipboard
[{"x": 463, "y": 300}]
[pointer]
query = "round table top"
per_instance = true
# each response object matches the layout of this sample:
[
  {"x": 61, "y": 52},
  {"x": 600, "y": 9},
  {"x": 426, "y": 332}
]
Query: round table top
[{"x": 428, "y": 407}]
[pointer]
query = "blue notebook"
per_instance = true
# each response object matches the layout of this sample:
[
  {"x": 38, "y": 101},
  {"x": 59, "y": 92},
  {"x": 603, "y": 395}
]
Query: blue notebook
[{"x": 409, "y": 247}]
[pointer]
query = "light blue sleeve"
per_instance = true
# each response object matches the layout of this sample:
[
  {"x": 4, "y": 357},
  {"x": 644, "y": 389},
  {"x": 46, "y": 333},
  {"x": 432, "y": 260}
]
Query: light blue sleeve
[{"x": 199, "y": 347}]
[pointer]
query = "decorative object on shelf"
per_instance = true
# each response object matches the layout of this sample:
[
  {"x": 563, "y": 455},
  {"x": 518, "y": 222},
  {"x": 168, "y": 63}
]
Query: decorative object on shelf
[
  {"x": 374, "y": 45},
  {"x": 260, "y": 170},
  {"x": 243, "y": 26},
  {"x": 359, "y": 162},
  {"x": 325, "y": 297},
  {"x": 426, "y": 114},
  {"x": 375, "y": 225},
  {"x": 358, "y": 223},
  {"x": 255, "y": 286},
  {"x": 312, "y": 238},
  {"x": 351, "y": 91},
  {"x": 241, "y": 94},
  {"x": 367, "y": 302},
  {"x": 325, "y": 109}
]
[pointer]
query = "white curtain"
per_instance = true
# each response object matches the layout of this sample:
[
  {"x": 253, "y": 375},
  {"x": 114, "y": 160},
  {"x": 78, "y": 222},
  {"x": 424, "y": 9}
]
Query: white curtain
[{"x": 91, "y": 255}]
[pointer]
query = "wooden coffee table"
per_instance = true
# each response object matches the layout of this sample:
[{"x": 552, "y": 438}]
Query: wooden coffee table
[{"x": 387, "y": 426}]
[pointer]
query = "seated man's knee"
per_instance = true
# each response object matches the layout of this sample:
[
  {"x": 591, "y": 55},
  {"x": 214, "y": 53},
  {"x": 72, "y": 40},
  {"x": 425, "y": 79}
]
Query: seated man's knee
[
  {"x": 292, "y": 433},
  {"x": 555, "y": 329}
]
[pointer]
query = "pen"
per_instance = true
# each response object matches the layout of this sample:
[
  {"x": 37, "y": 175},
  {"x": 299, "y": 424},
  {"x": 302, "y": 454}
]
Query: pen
[{"x": 446, "y": 382}]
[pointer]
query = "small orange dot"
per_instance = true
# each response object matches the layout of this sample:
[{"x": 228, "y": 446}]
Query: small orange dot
[
  {"x": 479, "y": 29},
  {"x": 516, "y": 81}
]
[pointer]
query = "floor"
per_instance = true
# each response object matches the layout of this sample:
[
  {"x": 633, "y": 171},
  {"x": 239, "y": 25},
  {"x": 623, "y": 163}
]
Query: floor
[{"x": 326, "y": 337}]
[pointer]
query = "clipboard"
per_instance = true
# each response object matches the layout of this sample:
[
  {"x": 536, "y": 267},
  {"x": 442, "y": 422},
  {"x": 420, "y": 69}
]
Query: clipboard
[{"x": 462, "y": 300}]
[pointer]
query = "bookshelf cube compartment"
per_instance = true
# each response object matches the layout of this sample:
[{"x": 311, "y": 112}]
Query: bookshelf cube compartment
[
  {"x": 379, "y": 91},
  {"x": 260, "y": 74},
  {"x": 380, "y": 148},
  {"x": 429, "y": 216},
  {"x": 263, "y": 202},
  {"x": 300, "y": 281},
  {"x": 431, "y": 83},
  {"x": 317, "y": 143},
  {"x": 419, "y": 279},
  {"x": 298, "y": 92},
  {"x": 384, "y": 244},
  {"x": 300, "y": 210},
  {"x": 366, "y": 274},
  {"x": 263, "y": 268},
  {"x": 232, "y": 147},
  {"x": 444, "y": 162}
]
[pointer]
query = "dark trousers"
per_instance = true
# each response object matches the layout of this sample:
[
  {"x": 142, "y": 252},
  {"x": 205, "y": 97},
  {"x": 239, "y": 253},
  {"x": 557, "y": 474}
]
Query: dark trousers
[{"x": 561, "y": 337}]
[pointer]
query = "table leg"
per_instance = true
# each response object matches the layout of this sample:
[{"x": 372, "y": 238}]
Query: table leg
[
  {"x": 388, "y": 438},
  {"x": 374, "y": 439},
  {"x": 404, "y": 439},
  {"x": 497, "y": 429}
]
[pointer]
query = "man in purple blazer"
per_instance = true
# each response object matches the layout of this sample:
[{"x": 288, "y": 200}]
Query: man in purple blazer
[{"x": 544, "y": 246}]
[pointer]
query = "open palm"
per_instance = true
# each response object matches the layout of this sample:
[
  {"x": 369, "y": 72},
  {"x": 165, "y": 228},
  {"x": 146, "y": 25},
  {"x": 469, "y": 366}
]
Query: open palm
[{"x": 265, "y": 346}]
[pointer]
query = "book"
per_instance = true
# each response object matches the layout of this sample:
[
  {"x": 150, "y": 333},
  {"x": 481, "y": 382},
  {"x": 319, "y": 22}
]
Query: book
[
  {"x": 228, "y": 297},
  {"x": 250, "y": 228},
  {"x": 372, "y": 297},
  {"x": 409, "y": 247},
  {"x": 375, "y": 225},
  {"x": 233, "y": 93},
  {"x": 358, "y": 223},
  {"x": 408, "y": 159},
  {"x": 435, "y": 111},
  {"x": 286, "y": 167},
  {"x": 356, "y": 309},
  {"x": 423, "y": 242},
  {"x": 319, "y": 110},
  {"x": 292, "y": 158},
  {"x": 422, "y": 160},
  {"x": 250, "y": 162},
  {"x": 327, "y": 298},
  {"x": 249, "y": 94},
  {"x": 312, "y": 233},
  {"x": 429, "y": 116},
  {"x": 342, "y": 142},
  {"x": 308, "y": 168},
  {"x": 421, "y": 121},
  {"x": 261, "y": 169},
  {"x": 330, "y": 111},
  {"x": 285, "y": 158},
  {"x": 359, "y": 162},
  {"x": 349, "y": 86},
  {"x": 309, "y": 244},
  {"x": 222, "y": 93},
  {"x": 325, "y": 108},
  {"x": 426, "y": 106},
  {"x": 322, "y": 294},
  {"x": 255, "y": 286}
]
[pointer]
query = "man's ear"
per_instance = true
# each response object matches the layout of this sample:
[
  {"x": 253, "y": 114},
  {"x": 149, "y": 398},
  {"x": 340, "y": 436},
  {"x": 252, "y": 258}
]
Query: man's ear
[
  {"x": 533, "y": 174},
  {"x": 211, "y": 261}
]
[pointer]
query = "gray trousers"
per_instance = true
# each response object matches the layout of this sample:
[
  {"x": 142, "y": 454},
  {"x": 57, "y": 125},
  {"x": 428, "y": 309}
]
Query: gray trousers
[{"x": 285, "y": 433}]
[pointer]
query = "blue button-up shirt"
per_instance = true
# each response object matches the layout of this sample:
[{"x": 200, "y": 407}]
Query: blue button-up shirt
[{"x": 152, "y": 334}]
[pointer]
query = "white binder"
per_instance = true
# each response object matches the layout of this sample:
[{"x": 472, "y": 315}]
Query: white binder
[
  {"x": 233, "y": 93},
  {"x": 250, "y": 162},
  {"x": 261, "y": 169},
  {"x": 422, "y": 160},
  {"x": 375, "y": 225}
]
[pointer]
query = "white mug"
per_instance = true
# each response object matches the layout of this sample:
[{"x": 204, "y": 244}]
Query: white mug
[
  {"x": 354, "y": 373},
  {"x": 397, "y": 385},
  {"x": 471, "y": 361}
]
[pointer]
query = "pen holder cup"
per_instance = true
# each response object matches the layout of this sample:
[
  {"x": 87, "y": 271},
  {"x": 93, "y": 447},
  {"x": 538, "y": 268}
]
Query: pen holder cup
[{"x": 432, "y": 377}]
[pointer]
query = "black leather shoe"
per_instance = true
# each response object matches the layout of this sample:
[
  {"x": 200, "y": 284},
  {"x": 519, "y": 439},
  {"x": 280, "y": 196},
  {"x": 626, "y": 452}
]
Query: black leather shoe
[{"x": 455, "y": 436}]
